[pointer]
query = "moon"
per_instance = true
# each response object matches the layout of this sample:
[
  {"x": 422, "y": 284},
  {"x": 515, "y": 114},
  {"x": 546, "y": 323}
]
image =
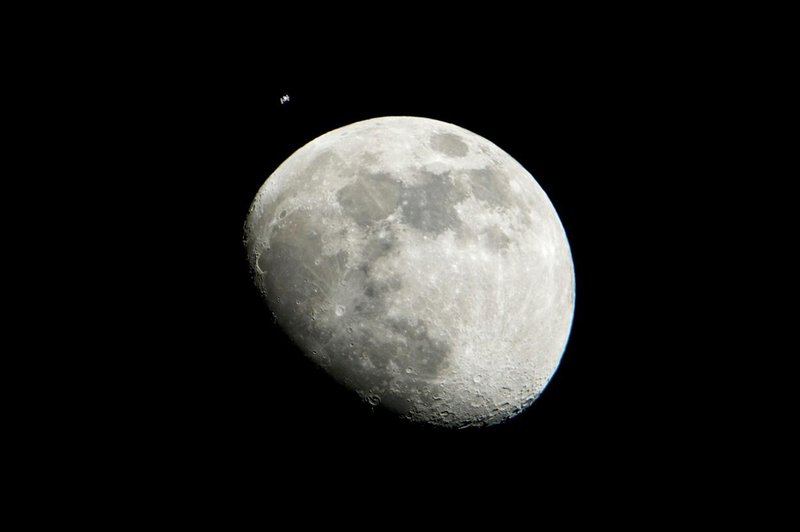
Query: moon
[{"x": 418, "y": 264}]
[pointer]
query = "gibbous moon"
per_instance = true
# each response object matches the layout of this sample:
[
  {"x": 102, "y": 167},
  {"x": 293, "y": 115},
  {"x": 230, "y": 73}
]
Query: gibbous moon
[{"x": 420, "y": 265}]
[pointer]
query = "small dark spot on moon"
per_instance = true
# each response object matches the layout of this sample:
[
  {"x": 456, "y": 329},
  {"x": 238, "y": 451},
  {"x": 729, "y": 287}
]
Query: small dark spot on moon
[
  {"x": 282, "y": 215},
  {"x": 378, "y": 289},
  {"x": 371, "y": 291},
  {"x": 449, "y": 144}
]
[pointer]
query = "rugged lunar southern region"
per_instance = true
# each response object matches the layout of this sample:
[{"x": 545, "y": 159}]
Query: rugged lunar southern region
[{"x": 420, "y": 265}]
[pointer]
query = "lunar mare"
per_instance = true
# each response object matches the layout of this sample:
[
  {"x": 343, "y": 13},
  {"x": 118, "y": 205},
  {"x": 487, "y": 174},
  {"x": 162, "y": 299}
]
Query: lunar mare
[{"x": 420, "y": 265}]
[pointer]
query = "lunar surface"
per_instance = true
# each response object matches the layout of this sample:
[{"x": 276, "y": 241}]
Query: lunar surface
[{"x": 420, "y": 265}]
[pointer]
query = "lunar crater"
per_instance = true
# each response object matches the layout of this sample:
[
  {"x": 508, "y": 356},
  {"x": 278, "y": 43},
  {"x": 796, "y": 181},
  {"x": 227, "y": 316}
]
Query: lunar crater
[{"x": 449, "y": 144}]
